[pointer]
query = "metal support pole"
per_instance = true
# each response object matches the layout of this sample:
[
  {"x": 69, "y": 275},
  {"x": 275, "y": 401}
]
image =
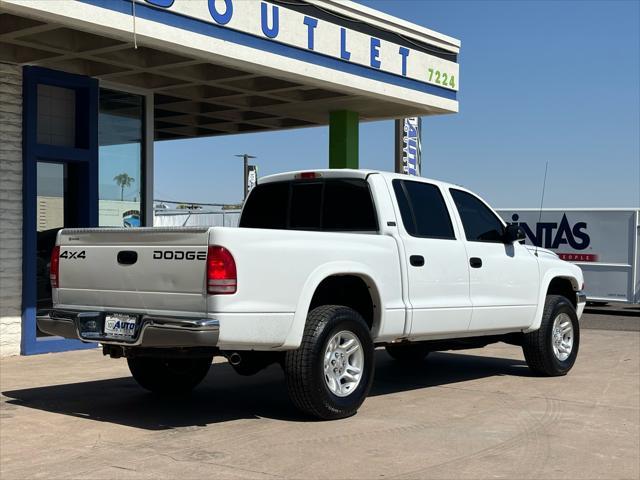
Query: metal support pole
[
  {"x": 399, "y": 128},
  {"x": 246, "y": 176},
  {"x": 146, "y": 217}
]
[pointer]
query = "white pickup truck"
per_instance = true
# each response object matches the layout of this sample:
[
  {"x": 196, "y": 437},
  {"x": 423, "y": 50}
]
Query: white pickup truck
[{"x": 326, "y": 266}]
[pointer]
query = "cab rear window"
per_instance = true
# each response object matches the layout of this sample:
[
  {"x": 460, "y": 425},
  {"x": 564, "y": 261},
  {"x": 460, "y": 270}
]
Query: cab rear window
[{"x": 325, "y": 205}]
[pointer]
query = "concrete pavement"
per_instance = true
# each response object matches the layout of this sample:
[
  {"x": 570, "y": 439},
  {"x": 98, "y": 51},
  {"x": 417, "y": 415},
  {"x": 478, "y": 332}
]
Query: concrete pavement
[{"x": 472, "y": 414}]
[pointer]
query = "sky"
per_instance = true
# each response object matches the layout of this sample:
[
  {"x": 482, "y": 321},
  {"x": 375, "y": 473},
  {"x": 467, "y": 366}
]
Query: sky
[{"x": 540, "y": 81}]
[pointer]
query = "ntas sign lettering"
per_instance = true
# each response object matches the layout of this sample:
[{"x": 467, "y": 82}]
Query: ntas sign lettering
[
  {"x": 297, "y": 29},
  {"x": 552, "y": 235}
]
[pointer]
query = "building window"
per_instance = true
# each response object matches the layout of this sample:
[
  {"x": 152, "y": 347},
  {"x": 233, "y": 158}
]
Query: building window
[
  {"x": 56, "y": 116},
  {"x": 120, "y": 138}
]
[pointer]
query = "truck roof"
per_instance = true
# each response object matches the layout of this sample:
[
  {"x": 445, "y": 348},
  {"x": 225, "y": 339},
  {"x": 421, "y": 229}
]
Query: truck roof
[{"x": 348, "y": 173}]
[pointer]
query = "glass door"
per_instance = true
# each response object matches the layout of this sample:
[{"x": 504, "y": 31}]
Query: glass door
[
  {"x": 83, "y": 152},
  {"x": 60, "y": 184},
  {"x": 50, "y": 208}
]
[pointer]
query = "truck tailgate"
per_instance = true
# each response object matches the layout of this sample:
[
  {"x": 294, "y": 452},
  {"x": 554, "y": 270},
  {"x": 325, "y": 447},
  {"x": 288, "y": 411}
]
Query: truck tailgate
[{"x": 141, "y": 269}]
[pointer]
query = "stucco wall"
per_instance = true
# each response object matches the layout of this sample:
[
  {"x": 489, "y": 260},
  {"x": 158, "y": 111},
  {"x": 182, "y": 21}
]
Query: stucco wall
[{"x": 10, "y": 208}]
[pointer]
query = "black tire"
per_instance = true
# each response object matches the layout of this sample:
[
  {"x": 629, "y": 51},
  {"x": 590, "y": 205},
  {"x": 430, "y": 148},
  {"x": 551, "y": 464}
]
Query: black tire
[
  {"x": 408, "y": 353},
  {"x": 538, "y": 345},
  {"x": 169, "y": 376},
  {"x": 304, "y": 367}
]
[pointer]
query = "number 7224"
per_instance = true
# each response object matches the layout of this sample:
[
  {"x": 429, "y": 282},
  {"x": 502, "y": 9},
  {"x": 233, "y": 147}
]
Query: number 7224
[{"x": 442, "y": 78}]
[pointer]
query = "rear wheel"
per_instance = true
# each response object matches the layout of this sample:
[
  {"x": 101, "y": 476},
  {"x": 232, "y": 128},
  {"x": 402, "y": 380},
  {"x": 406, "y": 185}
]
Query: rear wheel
[
  {"x": 169, "y": 375},
  {"x": 552, "y": 349},
  {"x": 330, "y": 374},
  {"x": 408, "y": 353}
]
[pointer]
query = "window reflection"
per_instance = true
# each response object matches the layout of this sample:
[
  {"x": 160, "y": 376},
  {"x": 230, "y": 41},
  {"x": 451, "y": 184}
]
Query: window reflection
[
  {"x": 50, "y": 217},
  {"x": 120, "y": 136}
]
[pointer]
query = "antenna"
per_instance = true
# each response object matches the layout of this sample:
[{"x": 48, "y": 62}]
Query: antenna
[{"x": 544, "y": 184}]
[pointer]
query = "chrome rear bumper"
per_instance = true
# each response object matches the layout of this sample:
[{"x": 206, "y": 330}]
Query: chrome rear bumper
[{"x": 152, "y": 331}]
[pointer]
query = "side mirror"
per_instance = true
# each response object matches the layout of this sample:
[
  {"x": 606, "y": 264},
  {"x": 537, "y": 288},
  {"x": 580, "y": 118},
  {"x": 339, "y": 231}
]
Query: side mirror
[{"x": 513, "y": 233}]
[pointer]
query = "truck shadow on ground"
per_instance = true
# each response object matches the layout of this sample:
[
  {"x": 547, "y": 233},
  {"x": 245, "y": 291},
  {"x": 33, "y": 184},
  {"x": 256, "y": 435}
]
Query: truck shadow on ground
[
  {"x": 625, "y": 311},
  {"x": 225, "y": 396}
]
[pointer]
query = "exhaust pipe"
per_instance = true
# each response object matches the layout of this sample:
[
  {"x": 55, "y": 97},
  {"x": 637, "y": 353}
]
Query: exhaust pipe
[{"x": 235, "y": 358}]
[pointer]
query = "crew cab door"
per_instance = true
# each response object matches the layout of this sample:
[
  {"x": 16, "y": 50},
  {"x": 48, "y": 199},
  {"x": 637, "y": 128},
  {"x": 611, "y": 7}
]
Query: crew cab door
[
  {"x": 438, "y": 276},
  {"x": 504, "y": 277}
]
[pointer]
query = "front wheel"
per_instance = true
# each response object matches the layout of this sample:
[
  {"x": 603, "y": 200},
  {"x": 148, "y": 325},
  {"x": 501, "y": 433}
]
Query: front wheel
[
  {"x": 169, "y": 375},
  {"x": 330, "y": 374},
  {"x": 552, "y": 349}
]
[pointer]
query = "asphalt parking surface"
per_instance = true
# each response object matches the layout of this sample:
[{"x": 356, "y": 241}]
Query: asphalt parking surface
[
  {"x": 471, "y": 414},
  {"x": 612, "y": 316}
]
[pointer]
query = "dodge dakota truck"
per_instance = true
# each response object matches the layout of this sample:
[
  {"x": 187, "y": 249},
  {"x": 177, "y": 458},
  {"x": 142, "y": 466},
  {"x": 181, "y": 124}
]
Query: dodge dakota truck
[{"x": 325, "y": 267}]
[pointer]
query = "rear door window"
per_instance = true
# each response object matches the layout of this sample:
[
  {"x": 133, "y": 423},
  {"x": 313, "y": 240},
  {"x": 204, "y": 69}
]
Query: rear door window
[
  {"x": 348, "y": 206},
  {"x": 423, "y": 210}
]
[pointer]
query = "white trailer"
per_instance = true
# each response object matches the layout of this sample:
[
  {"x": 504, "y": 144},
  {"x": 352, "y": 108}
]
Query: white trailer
[{"x": 605, "y": 243}]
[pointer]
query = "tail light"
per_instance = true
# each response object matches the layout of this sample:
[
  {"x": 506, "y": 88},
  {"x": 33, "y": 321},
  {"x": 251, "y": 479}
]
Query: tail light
[
  {"x": 54, "y": 267},
  {"x": 221, "y": 271}
]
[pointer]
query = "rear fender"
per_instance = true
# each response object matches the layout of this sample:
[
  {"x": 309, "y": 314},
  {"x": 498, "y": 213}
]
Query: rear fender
[{"x": 294, "y": 338}]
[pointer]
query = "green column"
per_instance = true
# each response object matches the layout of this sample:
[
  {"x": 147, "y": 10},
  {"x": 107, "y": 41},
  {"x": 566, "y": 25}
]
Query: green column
[{"x": 343, "y": 139}]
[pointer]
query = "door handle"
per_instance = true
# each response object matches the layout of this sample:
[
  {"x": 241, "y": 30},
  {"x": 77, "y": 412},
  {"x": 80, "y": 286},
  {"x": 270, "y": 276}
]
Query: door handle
[
  {"x": 475, "y": 262},
  {"x": 416, "y": 260}
]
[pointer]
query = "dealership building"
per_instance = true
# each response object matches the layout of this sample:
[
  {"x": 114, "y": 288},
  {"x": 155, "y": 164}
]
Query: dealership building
[{"x": 88, "y": 86}]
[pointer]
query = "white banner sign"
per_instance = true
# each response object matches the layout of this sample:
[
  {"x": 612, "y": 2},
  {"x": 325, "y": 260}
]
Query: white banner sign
[
  {"x": 252, "y": 177},
  {"x": 293, "y": 28},
  {"x": 410, "y": 146}
]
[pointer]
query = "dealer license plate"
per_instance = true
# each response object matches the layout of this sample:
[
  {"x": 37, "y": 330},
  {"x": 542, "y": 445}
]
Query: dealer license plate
[{"x": 120, "y": 324}]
